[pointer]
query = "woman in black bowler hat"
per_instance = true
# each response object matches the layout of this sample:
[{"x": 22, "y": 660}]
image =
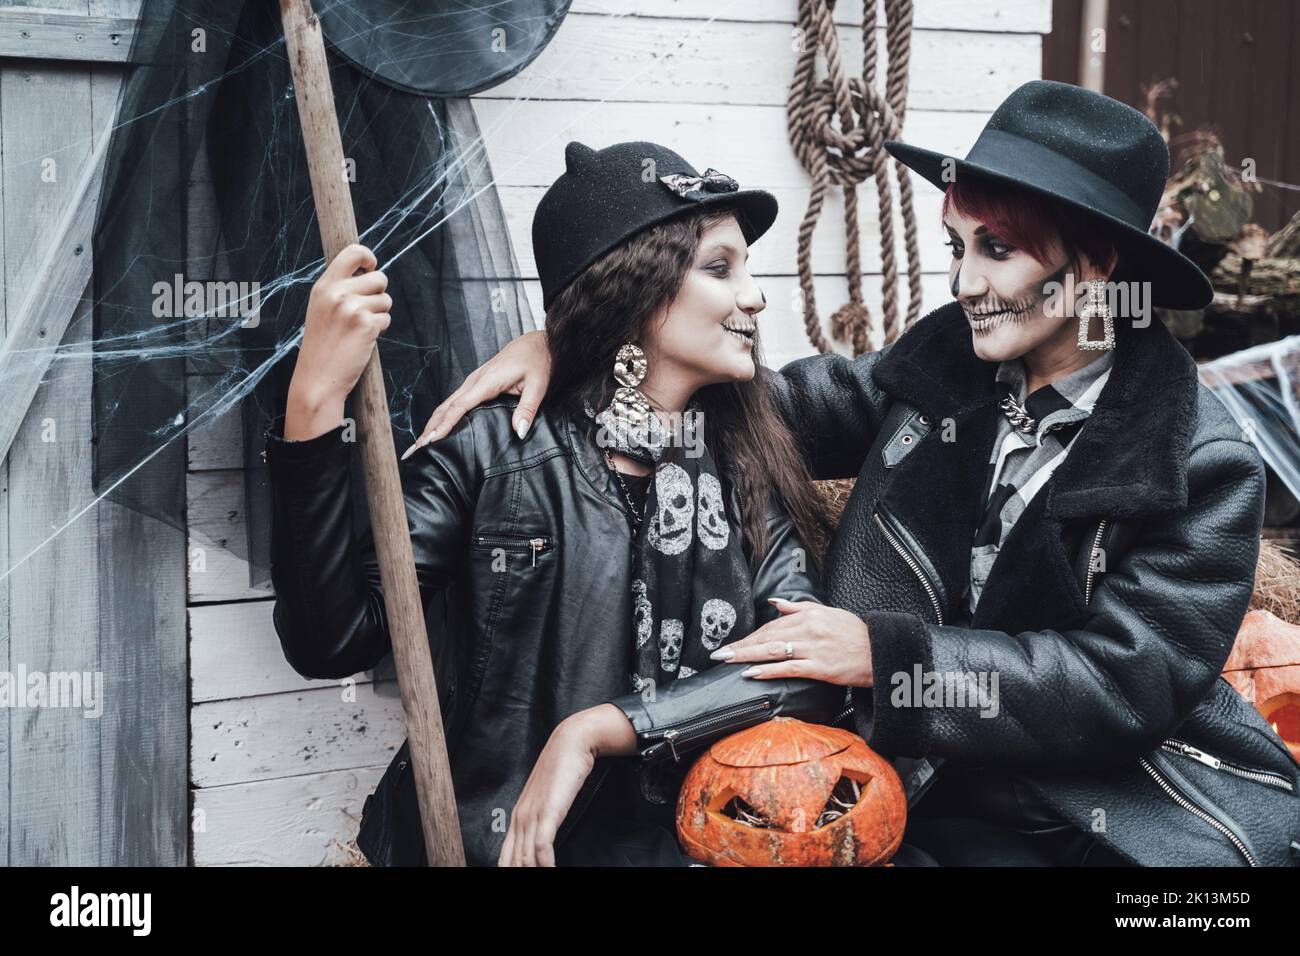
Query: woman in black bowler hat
[
  {"x": 655, "y": 512},
  {"x": 1052, "y": 536}
]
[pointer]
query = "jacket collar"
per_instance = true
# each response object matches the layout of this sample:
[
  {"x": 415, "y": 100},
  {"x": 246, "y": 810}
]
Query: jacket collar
[
  {"x": 590, "y": 461},
  {"x": 1129, "y": 460}
]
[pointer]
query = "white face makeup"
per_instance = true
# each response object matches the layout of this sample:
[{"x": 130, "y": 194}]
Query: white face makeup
[
  {"x": 1004, "y": 291},
  {"x": 707, "y": 333}
]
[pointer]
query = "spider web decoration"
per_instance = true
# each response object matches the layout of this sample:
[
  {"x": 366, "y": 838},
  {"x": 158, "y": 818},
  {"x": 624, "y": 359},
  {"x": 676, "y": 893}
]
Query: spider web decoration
[{"x": 206, "y": 241}]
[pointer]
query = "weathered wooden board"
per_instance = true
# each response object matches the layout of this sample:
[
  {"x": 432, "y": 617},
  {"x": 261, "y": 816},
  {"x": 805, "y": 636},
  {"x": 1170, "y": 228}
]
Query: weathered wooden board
[
  {"x": 280, "y": 735},
  {"x": 235, "y": 652},
  {"x": 1002, "y": 16},
  {"x": 217, "y": 553},
  {"x": 525, "y": 140},
  {"x": 670, "y": 60},
  {"x": 43, "y": 35},
  {"x": 305, "y": 820},
  {"x": 53, "y": 796},
  {"x": 89, "y": 588}
]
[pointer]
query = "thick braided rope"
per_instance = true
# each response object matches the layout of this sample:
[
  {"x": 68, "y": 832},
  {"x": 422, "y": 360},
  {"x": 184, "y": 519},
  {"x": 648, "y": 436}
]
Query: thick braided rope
[{"x": 845, "y": 157}]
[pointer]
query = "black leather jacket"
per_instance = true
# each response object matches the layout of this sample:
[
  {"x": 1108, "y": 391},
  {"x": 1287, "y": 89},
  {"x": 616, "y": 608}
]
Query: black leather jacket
[
  {"x": 523, "y": 556},
  {"x": 1107, "y": 617}
]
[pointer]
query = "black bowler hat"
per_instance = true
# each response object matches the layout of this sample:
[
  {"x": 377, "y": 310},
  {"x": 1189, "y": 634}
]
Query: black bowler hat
[
  {"x": 605, "y": 197},
  {"x": 1091, "y": 153}
]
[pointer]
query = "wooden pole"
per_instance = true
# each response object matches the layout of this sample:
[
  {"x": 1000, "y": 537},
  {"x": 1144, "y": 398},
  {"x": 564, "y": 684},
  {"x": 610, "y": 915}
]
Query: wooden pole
[{"x": 414, "y": 663}]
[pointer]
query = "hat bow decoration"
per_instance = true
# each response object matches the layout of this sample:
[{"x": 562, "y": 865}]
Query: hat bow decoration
[{"x": 694, "y": 187}]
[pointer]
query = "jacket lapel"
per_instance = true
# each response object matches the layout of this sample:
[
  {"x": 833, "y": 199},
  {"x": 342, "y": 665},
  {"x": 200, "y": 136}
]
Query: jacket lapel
[{"x": 1128, "y": 461}]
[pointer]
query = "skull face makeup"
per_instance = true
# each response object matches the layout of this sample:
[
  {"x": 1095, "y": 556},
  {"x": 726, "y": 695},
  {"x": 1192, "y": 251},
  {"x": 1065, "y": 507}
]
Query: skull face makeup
[
  {"x": 717, "y": 618},
  {"x": 670, "y": 530},
  {"x": 670, "y": 644},
  {"x": 714, "y": 530},
  {"x": 642, "y": 612}
]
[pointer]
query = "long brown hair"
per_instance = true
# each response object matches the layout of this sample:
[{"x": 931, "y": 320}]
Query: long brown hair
[{"x": 612, "y": 303}]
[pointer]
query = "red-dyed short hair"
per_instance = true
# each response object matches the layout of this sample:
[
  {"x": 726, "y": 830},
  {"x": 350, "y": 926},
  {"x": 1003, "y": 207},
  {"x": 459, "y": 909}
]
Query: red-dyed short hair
[{"x": 1029, "y": 221}]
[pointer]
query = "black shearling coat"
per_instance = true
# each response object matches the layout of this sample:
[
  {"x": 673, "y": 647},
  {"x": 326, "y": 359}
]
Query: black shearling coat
[{"x": 1106, "y": 677}]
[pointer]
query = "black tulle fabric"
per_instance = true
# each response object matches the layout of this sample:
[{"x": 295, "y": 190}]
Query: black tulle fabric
[{"x": 206, "y": 178}]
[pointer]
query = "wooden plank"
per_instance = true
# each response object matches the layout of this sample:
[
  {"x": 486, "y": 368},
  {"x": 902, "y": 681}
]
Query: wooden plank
[
  {"x": 41, "y": 318},
  {"x": 526, "y": 140},
  {"x": 662, "y": 60},
  {"x": 65, "y": 36},
  {"x": 235, "y": 652},
  {"x": 305, "y": 820},
  {"x": 5, "y": 584},
  {"x": 55, "y": 797},
  {"x": 144, "y": 766},
  {"x": 280, "y": 735},
  {"x": 217, "y": 555},
  {"x": 1009, "y": 16},
  {"x": 217, "y": 443}
]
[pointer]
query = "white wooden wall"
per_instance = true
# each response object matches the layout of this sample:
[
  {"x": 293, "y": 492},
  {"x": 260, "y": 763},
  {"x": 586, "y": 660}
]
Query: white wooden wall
[
  {"x": 107, "y": 594},
  {"x": 280, "y": 765}
]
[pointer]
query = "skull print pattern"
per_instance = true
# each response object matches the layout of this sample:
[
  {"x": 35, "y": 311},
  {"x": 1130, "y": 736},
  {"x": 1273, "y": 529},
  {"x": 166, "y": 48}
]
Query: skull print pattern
[{"x": 691, "y": 579}]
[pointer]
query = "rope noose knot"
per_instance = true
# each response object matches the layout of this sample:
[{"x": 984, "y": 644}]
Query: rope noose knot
[{"x": 846, "y": 155}]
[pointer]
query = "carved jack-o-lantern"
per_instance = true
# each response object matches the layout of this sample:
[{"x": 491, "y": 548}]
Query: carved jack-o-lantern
[
  {"x": 1264, "y": 667},
  {"x": 790, "y": 793}
]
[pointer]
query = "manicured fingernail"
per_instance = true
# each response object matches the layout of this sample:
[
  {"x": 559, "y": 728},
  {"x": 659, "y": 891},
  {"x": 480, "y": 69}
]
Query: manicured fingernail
[
  {"x": 749, "y": 672},
  {"x": 521, "y": 427},
  {"x": 722, "y": 654},
  {"x": 419, "y": 443},
  {"x": 776, "y": 600}
]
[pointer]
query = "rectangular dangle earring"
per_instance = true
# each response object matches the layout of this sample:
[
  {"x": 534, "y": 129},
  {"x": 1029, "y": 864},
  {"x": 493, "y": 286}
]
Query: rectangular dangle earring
[{"x": 1096, "y": 305}]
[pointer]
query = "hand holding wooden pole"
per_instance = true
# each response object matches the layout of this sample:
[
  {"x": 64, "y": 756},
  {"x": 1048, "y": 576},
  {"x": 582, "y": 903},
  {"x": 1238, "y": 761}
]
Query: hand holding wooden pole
[{"x": 411, "y": 654}]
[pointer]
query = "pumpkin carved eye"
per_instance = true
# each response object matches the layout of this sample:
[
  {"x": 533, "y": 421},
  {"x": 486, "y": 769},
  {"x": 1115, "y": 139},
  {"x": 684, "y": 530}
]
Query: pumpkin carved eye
[{"x": 844, "y": 797}]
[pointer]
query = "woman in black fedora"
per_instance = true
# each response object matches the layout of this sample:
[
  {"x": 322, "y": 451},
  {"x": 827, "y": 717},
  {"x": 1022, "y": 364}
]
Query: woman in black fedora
[
  {"x": 1052, "y": 536},
  {"x": 576, "y": 580}
]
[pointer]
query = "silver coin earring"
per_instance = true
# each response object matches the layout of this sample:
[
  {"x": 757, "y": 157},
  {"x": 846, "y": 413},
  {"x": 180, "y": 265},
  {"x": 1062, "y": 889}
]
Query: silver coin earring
[{"x": 1096, "y": 305}]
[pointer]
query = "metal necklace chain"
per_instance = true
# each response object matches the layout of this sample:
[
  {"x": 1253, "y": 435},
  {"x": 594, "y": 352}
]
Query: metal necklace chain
[{"x": 609, "y": 459}]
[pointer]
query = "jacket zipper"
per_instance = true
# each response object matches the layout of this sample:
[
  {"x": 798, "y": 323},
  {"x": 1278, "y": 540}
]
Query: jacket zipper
[
  {"x": 686, "y": 731},
  {"x": 1092, "y": 561},
  {"x": 1197, "y": 811},
  {"x": 911, "y": 563},
  {"x": 535, "y": 545},
  {"x": 1266, "y": 777}
]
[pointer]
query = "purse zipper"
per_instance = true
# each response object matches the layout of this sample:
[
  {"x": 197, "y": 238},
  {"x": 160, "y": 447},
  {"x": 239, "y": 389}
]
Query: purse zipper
[
  {"x": 911, "y": 563},
  {"x": 535, "y": 545},
  {"x": 1092, "y": 561},
  {"x": 1197, "y": 811},
  {"x": 686, "y": 731},
  {"x": 1266, "y": 777}
]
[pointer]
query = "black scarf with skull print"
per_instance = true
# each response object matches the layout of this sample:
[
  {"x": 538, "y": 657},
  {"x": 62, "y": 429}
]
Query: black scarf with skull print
[{"x": 691, "y": 583}]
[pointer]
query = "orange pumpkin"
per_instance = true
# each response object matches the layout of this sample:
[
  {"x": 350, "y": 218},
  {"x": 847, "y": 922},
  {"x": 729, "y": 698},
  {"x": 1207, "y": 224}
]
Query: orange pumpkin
[
  {"x": 1264, "y": 667},
  {"x": 790, "y": 793}
]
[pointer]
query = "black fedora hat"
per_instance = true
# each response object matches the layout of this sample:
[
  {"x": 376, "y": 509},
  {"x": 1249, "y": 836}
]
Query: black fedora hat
[
  {"x": 1089, "y": 152},
  {"x": 605, "y": 197}
]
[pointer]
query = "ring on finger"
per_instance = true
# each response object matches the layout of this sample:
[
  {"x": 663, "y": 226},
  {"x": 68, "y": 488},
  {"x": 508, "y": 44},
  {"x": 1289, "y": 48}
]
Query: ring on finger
[{"x": 789, "y": 650}]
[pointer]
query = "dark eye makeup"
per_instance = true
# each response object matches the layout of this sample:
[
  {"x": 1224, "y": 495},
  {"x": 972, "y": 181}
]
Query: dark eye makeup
[{"x": 993, "y": 248}]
